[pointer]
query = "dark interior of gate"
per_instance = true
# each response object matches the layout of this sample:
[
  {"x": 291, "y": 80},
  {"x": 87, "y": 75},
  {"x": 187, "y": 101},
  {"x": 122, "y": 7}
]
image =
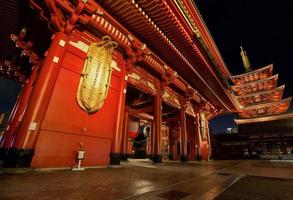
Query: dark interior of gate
[{"x": 140, "y": 127}]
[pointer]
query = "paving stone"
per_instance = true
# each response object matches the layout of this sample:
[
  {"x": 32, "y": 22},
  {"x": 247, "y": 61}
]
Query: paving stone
[{"x": 135, "y": 180}]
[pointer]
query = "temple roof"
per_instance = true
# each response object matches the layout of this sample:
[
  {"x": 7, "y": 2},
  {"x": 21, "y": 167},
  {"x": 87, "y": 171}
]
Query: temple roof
[
  {"x": 275, "y": 94},
  {"x": 256, "y": 86},
  {"x": 254, "y": 75},
  {"x": 271, "y": 108},
  {"x": 267, "y": 126},
  {"x": 264, "y": 119},
  {"x": 189, "y": 49}
]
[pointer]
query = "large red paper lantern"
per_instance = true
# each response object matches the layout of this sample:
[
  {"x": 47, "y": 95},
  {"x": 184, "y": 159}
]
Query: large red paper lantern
[{"x": 133, "y": 128}]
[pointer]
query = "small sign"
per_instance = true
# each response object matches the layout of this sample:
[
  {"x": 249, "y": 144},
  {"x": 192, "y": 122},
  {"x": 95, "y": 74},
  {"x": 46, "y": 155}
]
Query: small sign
[
  {"x": 62, "y": 43},
  {"x": 33, "y": 126},
  {"x": 80, "y": 155},
  {"x": 55, "y": 59}
]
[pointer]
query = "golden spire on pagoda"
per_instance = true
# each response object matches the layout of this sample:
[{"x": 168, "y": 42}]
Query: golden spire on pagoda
[{"x": 245, "y": 59}]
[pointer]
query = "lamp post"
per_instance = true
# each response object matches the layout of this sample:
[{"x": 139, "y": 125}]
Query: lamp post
[
  {"x": 209, "y": 152},
  {"x": 197, "y": 152},
  {"x": 80, "y": 156}
]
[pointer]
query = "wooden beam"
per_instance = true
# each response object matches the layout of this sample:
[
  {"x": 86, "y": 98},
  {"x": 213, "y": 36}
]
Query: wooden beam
[
  {"x": 171, "y": 119},
  {"x": 133, "y": 111}
]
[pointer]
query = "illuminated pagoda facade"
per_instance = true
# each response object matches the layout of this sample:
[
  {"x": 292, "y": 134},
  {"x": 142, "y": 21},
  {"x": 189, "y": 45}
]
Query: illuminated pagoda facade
[
  {"x": 258, "y": 94},
  {"x": 262, "y": 116}
]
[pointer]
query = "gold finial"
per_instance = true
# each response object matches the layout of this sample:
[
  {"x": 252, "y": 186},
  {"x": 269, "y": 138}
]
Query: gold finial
[{"x": 245, "y": 59}]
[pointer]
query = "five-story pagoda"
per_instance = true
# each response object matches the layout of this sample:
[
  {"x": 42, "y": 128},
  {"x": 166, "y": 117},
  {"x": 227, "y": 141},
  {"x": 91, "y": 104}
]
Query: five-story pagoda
[{"x": 262, "y": 114}]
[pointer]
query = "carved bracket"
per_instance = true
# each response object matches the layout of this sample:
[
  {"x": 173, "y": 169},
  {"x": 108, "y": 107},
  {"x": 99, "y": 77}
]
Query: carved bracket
[
  {"x": 169, "y": 76},
  {"x": 135, "y": 52},
  {"x": 26, "y": 47}
]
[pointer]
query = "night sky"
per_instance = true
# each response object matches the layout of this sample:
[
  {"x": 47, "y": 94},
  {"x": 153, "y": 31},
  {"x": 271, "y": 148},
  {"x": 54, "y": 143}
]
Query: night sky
[
  {"x": 263, "y": 28},
  {"x": 9, "y": 90}
]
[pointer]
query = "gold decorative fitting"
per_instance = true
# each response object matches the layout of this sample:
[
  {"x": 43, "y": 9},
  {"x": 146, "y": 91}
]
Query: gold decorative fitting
[
  {"x": 130, "y": 37},
  {"x": 245, "y": 60}
]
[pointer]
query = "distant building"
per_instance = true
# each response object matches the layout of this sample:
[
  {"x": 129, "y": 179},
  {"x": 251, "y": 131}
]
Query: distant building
[
  {"x": 263, "y": 127},
  {"x": 232, "y": 130}
]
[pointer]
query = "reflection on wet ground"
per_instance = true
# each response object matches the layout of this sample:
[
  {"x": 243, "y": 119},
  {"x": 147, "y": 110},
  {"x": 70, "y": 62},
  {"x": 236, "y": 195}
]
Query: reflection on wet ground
[
  {"x": 260, "y": 188},
  {"x": 137, "y": 180}
]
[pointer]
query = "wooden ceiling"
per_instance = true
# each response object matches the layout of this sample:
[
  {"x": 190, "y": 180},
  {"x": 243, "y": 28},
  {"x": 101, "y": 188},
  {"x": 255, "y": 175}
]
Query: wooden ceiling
[
  {"x": 155, "y": 24},
  {"x": 10, "y": 22}
]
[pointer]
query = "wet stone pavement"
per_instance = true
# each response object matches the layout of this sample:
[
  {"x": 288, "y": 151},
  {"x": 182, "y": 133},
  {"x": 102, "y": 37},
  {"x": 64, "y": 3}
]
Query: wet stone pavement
[
  {"x": 260, "y": 188},
  {"x": 138, "y": 180}
]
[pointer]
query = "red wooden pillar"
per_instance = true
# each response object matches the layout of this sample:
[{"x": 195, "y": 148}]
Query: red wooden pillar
[
  {"x": 264, "y": 148},
  {"x": 124, "y": 146},
  {"x": 197, "y": 136},
  {"x": 5, "y": 140},
  {"x": 209, "y": 145},
  {"x": 149, "y": 142},
  {"x": 27, "y": 134},
  {"x": 190, "y": 126},
  {"x": 157, "y": 156},
  {"x": 153, "y": 139},
  {"x": 283, "y": 145},
  {"x": 249, "y": 146},
  {"x": 183, "y": 135},
  {"x": 116, "y": 143},
  {"x": 21, "y": 107},
  {"x": 171, "y": 142}
]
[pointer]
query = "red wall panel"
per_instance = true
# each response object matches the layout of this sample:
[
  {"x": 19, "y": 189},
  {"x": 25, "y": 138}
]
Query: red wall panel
[
  {"x": 190, "y": 128},
  {"x": 56, "y": 149},
  {"x": 204, "y": 150},
  {"x": 61, "y": 130}
]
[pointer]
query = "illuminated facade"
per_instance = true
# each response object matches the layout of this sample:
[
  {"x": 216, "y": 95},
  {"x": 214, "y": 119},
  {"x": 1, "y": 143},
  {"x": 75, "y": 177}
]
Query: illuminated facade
[
  {"x": 165, "y": 73},
  {"x": 258, "y": 93},
  {"x": 264, "y": 127}
]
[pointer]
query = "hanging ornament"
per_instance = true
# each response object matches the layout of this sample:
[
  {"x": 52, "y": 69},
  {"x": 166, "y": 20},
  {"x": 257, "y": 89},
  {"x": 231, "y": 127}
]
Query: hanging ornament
[
  {"x": 96, "y": 76},
  {"x": 133, "y": 128}
]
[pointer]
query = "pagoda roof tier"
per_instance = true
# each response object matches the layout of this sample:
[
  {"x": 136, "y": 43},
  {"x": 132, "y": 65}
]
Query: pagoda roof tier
[
  {"x": 267, "y": 127},
  {"x": 254, "y": 75},
  {"x": 262, "y": 96},
  {"x": 264, "y": 119},
  {"x": 272, "y": 108},
  {"x": 256, "y": 86}
]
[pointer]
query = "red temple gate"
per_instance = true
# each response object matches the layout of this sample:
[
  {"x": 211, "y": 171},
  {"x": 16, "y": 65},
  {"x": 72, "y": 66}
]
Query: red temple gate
[{"x": 53, "y": 127}]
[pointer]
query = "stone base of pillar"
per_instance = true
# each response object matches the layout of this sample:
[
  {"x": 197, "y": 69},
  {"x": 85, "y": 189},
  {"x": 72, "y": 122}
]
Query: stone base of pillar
[
  {"x": 130, "y": 156},
  {"x": 123, "y": 156},
  {"x": 157, "y": 158},
  {"x": 16, "y": 157},
  {"x": 198, "y": 157},
  {"x": 114, "y": 158},
  {"x": 184, "y": 158}
]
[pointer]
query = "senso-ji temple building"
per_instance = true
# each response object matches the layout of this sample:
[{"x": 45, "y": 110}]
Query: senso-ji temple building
[
  {"x": 264, "y": 127},
  {"x": 115, "y": 79}
]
